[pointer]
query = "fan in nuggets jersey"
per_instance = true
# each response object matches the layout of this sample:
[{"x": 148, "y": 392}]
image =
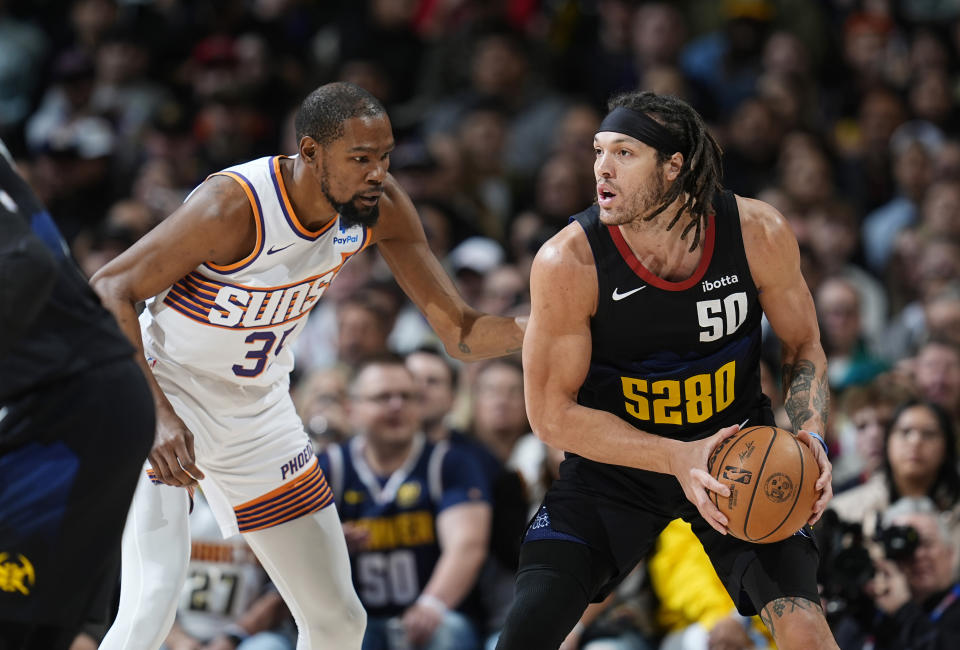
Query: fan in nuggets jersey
[
  {"x": 229, "y": 279},
  {"x": 417, "y": 513},
  {"x": 641, "y": 356}
]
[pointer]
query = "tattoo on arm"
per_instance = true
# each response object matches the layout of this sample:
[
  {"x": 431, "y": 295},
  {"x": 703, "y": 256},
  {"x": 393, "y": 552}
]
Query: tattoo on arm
[
  {"x": 464, "y": 347},
  {"x": 821, "y": 398},
  {"x": 798, "y": 379},
  {"x": 776, "y": 609}
]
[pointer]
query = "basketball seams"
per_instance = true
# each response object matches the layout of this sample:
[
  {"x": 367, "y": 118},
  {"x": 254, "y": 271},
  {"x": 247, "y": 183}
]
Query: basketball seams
[
  {"x": 799, "y": 490},
  {"x": 753, "y": 494},
  {"x": 780, "y": 455},
  {"x": 720, "y": 462}
]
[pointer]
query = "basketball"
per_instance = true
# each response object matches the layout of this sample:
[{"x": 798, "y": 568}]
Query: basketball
[{"x": 771, "y": 475}]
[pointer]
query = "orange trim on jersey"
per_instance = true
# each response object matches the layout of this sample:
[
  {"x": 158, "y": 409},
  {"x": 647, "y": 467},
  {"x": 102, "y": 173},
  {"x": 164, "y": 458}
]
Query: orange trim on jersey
[
  {"x": 210, "y": 285},
  {"x": 257, "y": 220},
  {"x": 203, "y": 321},
  {"x": 367, "y": 240},
  {"x": 184, "y": 293},
  {"x": 649, "y": 277},
  {"x": 199, "y": 289},
  {"x": 293, "y": 219},
  {"x": 286, "y": 487},
  {"x": 302, "y": 495},
  {"x": 183, "y": 305},
  {"x": 307, "y": 496},
  {"x": 218, "y": 284}
]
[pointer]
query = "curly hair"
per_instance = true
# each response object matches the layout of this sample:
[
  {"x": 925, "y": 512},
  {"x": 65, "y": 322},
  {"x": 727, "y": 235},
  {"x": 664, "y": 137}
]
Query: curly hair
[{"x": 701, "y": 172}]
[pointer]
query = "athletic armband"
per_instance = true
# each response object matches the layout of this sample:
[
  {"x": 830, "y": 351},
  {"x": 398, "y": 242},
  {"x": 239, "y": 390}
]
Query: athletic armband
[{"x": 819, "y": 438}]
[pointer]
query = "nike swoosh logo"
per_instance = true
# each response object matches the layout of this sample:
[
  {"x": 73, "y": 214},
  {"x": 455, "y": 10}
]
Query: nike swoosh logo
[
  {"x": 274, "y": 249},
  {"x": 620, "y": 296}
]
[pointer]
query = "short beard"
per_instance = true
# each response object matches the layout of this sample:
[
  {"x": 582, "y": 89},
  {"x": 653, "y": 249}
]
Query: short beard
[
  {"x": 349, "y": 213},
  {"x": 644, "y": 204}
]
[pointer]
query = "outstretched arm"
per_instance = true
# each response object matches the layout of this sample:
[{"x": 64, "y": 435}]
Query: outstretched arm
[
  {"x": 466, "y": 333},
  {"x": 774, "y": 259}
]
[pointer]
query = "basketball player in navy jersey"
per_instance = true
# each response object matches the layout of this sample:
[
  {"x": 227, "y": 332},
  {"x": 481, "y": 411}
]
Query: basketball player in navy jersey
[
  {"x": 76, "y": 423},
  {"x": 641, "y": 356}
]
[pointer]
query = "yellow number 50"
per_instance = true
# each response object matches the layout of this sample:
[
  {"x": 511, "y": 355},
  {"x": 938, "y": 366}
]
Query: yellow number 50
[{"x": 678, "y": 402}]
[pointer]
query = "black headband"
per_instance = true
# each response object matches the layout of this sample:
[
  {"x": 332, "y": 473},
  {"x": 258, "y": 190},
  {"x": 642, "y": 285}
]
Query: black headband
[{"x": 642, "y": 127}]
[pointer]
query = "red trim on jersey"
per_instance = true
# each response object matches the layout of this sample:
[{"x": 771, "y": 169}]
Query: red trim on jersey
[{"x": 649, "y": 277}]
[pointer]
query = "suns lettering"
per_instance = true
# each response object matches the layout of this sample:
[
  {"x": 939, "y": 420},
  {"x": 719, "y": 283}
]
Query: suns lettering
[
  {"x": 229, "y": 306},
  {"x": 317, "y": 287},
  {"x": 245, "y": 308},
  {"x": 291, "y": 303},
  {"x": 262, "y": 306}
]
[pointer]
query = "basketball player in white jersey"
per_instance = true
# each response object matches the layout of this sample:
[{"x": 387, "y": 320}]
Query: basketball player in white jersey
[{"x": 229, "y": 279}]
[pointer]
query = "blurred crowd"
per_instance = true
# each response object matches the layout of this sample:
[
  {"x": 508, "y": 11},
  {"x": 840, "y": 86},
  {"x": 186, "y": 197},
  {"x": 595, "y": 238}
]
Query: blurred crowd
[{"x": 842, "y": 114}]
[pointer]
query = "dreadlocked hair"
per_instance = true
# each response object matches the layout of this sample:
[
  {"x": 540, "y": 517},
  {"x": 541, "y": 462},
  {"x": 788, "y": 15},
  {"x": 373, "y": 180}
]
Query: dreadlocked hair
[{"x": 701, "y": 172}]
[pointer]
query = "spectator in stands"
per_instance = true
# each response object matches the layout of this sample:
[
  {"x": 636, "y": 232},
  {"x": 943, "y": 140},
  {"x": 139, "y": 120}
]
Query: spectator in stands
[
  {"x": 321, "y": 402},
  {"x": 849, "y": 359},
  {"x": 833, "y": 234},
  {"x": 416, "y": 515},
  {"x": 913, "y": 147},
  {"x": 363, "y": 324},
  {"x": 920, "y": 460},
  {"x": 916, "y": 597},
  {"x": 866, "y": 413},
  {"x": 936, "y": 371},
  {"x": 494, "y": 592}
]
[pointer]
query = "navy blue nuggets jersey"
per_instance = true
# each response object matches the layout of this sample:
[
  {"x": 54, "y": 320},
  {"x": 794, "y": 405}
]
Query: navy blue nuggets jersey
[
  {"x": 677, "y": 359},
  {"x": 399, "y": 512}
]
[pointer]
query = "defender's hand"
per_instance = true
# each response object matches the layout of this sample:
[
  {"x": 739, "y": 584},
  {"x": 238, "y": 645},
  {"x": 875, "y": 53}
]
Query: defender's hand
[
  {"x": 690, "y": 467},
  {"x": 824, "y": 484},
  {"x": 172, "y": 456}
]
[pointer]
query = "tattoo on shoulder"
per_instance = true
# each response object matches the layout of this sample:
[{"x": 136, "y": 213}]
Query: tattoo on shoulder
[
  {"x": 779, "y": 607},
  {"x": 464, "y": 347}
]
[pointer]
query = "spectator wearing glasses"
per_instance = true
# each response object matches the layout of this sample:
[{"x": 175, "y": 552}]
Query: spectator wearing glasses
[{"x": 416, "y": 514}]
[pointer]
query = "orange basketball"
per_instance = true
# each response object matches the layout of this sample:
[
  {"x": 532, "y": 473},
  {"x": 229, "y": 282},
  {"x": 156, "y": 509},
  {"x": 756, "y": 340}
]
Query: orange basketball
[{"x": 771, "y": 476}]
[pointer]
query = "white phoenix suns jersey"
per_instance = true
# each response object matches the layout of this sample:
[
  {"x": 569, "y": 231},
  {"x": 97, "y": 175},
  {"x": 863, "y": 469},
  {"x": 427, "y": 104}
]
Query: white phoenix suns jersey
[{"x": 237, "y": 323}]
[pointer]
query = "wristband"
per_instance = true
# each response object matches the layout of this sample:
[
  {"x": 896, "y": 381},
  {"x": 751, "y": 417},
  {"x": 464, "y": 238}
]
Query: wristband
[
  {"x": 434, "y": 603},
  {"x": 818, "y": 437}
]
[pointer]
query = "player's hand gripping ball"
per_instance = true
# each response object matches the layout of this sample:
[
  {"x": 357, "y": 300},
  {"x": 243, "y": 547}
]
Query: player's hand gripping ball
[{"x": 771, "y": 476}]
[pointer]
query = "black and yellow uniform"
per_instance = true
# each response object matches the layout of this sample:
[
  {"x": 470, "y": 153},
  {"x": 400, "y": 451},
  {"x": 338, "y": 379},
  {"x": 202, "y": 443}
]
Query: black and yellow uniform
[
  {"x": 678, "y": 359},
  {"x": 675, "y": 359}
]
